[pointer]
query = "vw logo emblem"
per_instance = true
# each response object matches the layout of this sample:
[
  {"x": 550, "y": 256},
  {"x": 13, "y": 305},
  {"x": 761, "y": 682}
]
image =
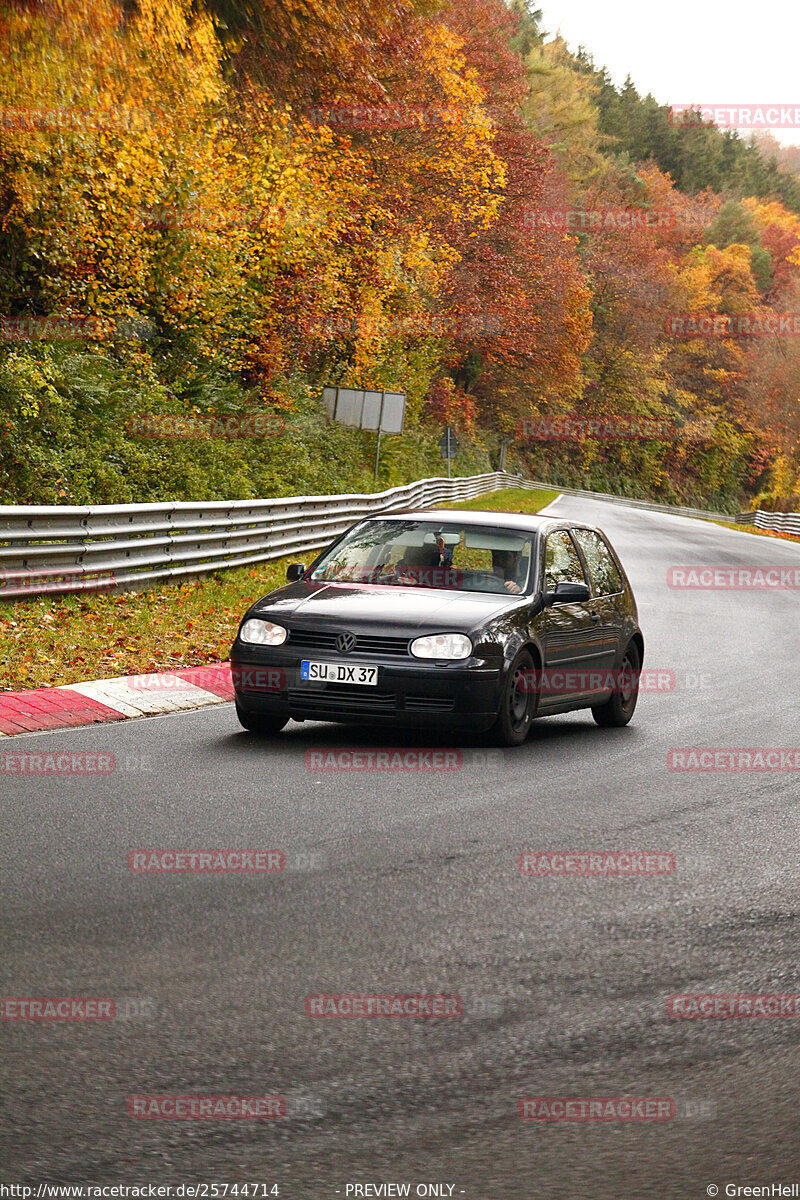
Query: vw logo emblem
[{"x": 345, "y": 642}]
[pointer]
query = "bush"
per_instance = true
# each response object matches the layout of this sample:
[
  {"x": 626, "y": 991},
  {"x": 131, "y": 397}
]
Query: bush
[{"x": 65, "y": 411}]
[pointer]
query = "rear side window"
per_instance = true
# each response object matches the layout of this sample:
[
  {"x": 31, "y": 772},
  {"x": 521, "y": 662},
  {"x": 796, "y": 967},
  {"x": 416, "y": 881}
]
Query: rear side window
[
  {"x": 561, "y": 561},
  {"x": 603, "y": 569}
]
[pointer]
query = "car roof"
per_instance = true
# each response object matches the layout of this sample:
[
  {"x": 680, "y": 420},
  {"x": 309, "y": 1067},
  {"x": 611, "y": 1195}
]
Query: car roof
[{"x": 528, "y": 522}]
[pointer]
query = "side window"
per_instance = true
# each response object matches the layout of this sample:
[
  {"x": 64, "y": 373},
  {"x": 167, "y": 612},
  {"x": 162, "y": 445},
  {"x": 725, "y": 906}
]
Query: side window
[
  {"x": 603, "y": 569},
  {"x": 561, "y": 562}
]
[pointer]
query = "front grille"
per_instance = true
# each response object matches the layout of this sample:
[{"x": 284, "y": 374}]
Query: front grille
[
  {"x": 366, "y": 643},
  {"x": 430, "y": 703},
  {"x": 339, "y": 696}
]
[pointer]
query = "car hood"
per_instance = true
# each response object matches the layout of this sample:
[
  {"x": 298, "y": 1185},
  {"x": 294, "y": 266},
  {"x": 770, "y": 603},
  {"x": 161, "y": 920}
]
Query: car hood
[{"x": 352, "y": 605}]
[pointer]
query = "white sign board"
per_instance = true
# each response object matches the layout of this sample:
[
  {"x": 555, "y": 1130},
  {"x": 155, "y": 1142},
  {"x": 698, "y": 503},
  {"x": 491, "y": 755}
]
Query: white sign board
[
  {"x": 379, "y": 411},
  {"x": 371, "y": 412},
  {"x": 394, "y": 412}
]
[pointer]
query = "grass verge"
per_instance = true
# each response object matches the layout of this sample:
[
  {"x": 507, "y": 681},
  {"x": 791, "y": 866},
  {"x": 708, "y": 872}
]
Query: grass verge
[
  {"x": 516, "y": 500},
  {"x": 773, "y": 533},
  {"x": 51, "y": 640}
]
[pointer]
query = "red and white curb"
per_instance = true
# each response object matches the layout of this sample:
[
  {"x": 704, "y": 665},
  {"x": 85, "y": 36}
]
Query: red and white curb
[{"x": 114, "y": 699}]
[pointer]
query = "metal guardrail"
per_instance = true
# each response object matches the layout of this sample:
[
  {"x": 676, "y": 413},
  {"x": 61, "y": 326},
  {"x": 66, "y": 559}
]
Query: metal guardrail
[
  {"x": 629, "y": 502},
  {"x": 59, "y": 548},
  {"x": 780, "y": 522}
]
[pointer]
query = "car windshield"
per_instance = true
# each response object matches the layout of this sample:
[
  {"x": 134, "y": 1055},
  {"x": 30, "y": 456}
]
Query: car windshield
[{"x": 407, "y": 553}]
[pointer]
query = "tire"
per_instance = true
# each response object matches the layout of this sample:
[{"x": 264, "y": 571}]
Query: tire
[
  {"x": 259, "y": 723},
  {"x": 619, "y": 708},
  {"x": 517, "y": 707}
]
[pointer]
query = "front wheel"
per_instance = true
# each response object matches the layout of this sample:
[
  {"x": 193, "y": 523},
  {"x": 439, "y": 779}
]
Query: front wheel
[
  {"x": 517, "y": 707},
  {"x": 266, "y": 726},
  {"x": 618, "y": 709}
]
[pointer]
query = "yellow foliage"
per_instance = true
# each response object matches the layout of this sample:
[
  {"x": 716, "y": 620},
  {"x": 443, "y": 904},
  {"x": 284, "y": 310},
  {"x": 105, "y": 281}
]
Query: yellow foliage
[
  {"x": 146, "y": 185},
  {"x": 714, "y": 280}
]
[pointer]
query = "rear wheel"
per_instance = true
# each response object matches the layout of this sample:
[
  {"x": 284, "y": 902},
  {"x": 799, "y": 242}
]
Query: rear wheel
[
  {"x": 518, "y": 705},
  {"x": 259, "y": 723},
  {"x": 618, "y": 709}
]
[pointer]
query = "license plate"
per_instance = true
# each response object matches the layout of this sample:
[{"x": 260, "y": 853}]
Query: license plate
[{"x": 328, "y": 672}]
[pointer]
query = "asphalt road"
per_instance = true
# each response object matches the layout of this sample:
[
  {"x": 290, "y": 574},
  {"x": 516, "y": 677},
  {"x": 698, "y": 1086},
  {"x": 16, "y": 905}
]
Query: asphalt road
[{"x": 408, "y": 883}]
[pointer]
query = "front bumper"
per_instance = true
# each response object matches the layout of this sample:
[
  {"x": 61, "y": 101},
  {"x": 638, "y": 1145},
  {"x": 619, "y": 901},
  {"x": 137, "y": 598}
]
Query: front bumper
[{"x": 409, "y": 692}]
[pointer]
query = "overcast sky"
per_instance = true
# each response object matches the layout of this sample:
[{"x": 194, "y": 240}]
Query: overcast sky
[{"x": 685, "y": 51}]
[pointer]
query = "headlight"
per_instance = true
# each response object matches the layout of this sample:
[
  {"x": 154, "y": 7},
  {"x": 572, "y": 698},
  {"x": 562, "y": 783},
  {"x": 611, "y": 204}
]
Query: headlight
[
  {"x": 262, "y": 633},
  {"x": 442, "y": 645}
]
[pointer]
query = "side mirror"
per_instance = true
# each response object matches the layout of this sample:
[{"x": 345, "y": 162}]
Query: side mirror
[
  {"x": 568, "y": 593},
  {"x": 295, "y": 571}
]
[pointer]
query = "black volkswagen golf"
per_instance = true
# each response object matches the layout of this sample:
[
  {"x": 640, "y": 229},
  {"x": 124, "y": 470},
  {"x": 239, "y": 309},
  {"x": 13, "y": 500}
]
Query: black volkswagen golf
[{"x": 470, "y": 620}]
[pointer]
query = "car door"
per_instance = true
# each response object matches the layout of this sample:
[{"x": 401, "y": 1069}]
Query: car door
[
  {"x": 571, "y": 639},
  {"x": 608, "y": 592}
]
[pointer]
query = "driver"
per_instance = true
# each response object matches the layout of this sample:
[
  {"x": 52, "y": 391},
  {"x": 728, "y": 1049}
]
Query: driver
[
  {"x": 410, "y": 568},
  {"x": 506, "y": 565}
]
